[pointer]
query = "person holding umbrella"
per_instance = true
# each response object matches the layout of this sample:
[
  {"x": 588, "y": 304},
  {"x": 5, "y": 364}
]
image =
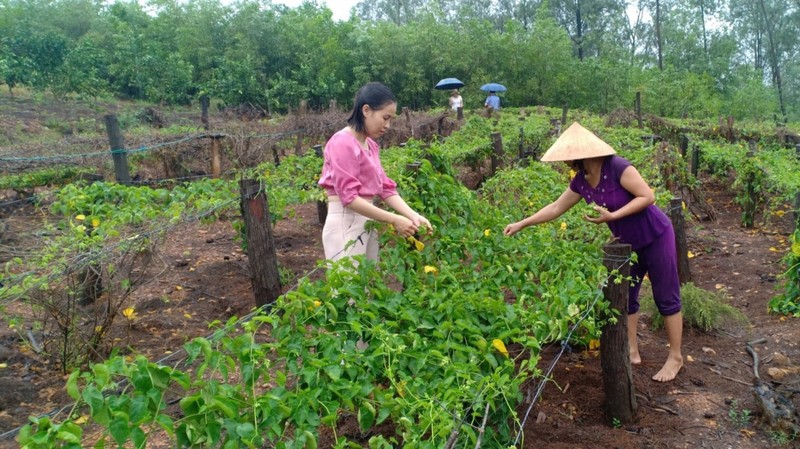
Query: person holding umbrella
[
  {"x": 455, "y": 100},
  {"x": 453, "y": 84},
  {"x": 616, "y": 191},
  {"x": 492, "y": 101},
  {"x": 354, "y": 180}
]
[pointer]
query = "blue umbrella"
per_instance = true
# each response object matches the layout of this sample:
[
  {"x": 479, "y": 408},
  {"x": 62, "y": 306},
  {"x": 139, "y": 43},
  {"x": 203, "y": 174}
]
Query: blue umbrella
[
  {"x": 448, "y": 83},
  {"x": 493, "y": 87}
]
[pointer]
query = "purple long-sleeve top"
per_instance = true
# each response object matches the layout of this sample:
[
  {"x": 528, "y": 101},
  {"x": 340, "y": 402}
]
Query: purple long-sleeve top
[
  {"x": 350, "y": 171},
  {"x": 639, "y": 229}
]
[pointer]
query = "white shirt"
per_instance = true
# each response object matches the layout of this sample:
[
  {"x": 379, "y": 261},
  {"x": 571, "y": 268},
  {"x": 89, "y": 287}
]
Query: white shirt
[{"x": 456, "y": 102}]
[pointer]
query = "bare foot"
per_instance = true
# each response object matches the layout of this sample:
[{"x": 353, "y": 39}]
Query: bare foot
[
  {"x": 636, "y": 359},
  {"x": 670, "y": 370}
]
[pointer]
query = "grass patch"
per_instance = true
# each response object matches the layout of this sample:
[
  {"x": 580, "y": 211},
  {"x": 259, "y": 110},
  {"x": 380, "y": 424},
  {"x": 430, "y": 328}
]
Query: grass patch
[{"x": 702, "y": 309}]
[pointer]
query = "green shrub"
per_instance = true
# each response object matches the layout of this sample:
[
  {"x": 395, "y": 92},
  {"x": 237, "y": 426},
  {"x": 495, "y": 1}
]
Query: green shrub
[{"x": 702, "y": 309}]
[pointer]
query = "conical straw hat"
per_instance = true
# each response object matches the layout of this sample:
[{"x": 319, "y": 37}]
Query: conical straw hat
[{"x": 577, "y": 143}]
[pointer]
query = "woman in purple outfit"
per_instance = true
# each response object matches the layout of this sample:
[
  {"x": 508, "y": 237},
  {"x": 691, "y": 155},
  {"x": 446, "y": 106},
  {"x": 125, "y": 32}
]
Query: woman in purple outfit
[{"x": 624, "y": 201}]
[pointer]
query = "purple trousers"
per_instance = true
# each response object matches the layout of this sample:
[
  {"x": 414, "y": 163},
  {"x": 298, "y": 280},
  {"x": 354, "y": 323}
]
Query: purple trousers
[{"x": 659, "y": 259}]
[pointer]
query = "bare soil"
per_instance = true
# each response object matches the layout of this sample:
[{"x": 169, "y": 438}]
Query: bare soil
[{"x": 205, "y": 278}]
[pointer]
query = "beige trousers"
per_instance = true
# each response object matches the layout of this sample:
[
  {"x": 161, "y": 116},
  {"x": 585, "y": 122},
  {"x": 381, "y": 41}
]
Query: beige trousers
[{"x": 344, "y": 235}]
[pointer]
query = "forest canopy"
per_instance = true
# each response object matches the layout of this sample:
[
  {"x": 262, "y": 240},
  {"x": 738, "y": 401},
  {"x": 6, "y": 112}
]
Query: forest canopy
[{"x": 688, "y": 58}]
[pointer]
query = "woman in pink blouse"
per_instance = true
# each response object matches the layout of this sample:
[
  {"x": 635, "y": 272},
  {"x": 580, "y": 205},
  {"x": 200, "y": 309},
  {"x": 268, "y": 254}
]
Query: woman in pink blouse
[{"x": 354, "y": 179}]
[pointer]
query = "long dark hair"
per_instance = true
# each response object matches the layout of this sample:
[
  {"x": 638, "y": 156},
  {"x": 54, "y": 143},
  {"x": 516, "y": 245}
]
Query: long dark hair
[{"x": 376, "y": 96}]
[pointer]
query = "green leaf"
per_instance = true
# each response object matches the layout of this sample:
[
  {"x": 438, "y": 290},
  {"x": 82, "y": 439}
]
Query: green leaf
[
  {"x": 311, "y": 440},
  {"x": 101, "y": 375},
  {"x": 119, "y": 430},
  {"x": 334, "y": 372},
  {"x": 72, "y": 386},
  {"x": 366, "y": 416}
]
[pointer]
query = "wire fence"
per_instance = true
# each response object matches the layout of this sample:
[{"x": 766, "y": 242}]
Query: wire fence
[
  {"x": 84, "y": 261},
  {"x": 217, "y": 334},
  {"x": 57, "y": 157}
]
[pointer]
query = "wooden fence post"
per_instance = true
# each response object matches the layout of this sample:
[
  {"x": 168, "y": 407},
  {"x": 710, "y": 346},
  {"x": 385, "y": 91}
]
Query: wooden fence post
[
  {"x": 460, "y": 113},
  {"x": 620, "y": 404},
  {"x": 261, "y": 254},
  {"x": 407, "y": 115},
  {"x": 695, "y": 159},
  {"x": 564, "y": 117},
  {"x": 676, "y": 215},
  {"x": 275, "y": 156},
  {"x": 638, "y": 104},
  {"x": 497, "y": 151},
  {"x": 204, "y": 111},
  {"x": 118, "y": 151},
  {"x": 322, "y": 206},
  {"x": 298, "y": 146},
  {"x": 216, "y": 165},
  {"x": 521, "y": 148},
  {"x": 683, "y": 144}
]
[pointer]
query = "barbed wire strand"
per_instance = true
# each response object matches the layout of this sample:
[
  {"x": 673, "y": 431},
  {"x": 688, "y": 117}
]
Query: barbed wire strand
[
  {"x": 83, "y": 260},
  {"x": 133, "y": 150}
]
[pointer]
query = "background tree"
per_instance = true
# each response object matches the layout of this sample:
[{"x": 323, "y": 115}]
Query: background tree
[{"x": 589, "y": 54}]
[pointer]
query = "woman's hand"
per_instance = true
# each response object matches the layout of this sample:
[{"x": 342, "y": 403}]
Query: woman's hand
[
  {"x": 421, "y": 221},
  {"x": 512, "y": 229},
  {"x": 404, "y": 226},
  {"x": 604, "y": 216}
]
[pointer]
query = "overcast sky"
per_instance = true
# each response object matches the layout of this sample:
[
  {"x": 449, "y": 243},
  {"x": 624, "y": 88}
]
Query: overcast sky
[{"x": 340, "y": 8}]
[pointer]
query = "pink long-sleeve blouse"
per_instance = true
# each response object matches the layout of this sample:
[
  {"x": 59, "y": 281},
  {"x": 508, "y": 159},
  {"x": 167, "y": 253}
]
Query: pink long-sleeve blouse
[{"x": 350, "y": 171}]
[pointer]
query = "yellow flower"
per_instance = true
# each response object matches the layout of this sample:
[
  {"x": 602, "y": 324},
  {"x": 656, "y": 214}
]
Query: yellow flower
[
  {"x": 563, "y": 225},
  {"x": 487, "y": 232},
  {"x": 129, "y": 313},
  {"x": 95, "y": 222},
  {"x": 689, "y": 254},
  {"x": 780, "y": 213},
  {"x": 80, "y": 217},
  {"x": 80, "y": 420},
  {"x": 594, "y": 344},
  {"x": 430, "y": 269},
  {"x": 417, "y": 244},
  {"x": 683, "y": 205},
  {"x": 317, "y": 303},
  {"x": 572, "y": 174},
  {"x": 401, "y": 388},
  {"x": 500, "y": 346}
]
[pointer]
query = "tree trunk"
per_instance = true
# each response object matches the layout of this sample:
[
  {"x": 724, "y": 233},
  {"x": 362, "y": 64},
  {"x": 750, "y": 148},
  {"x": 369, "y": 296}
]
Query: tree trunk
[
  {"x": 579, "y": 29},
  {"x": 773, "y": 58},
  {"x": 703, "y": 24},
  {"x": 658, "y": 36}
]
